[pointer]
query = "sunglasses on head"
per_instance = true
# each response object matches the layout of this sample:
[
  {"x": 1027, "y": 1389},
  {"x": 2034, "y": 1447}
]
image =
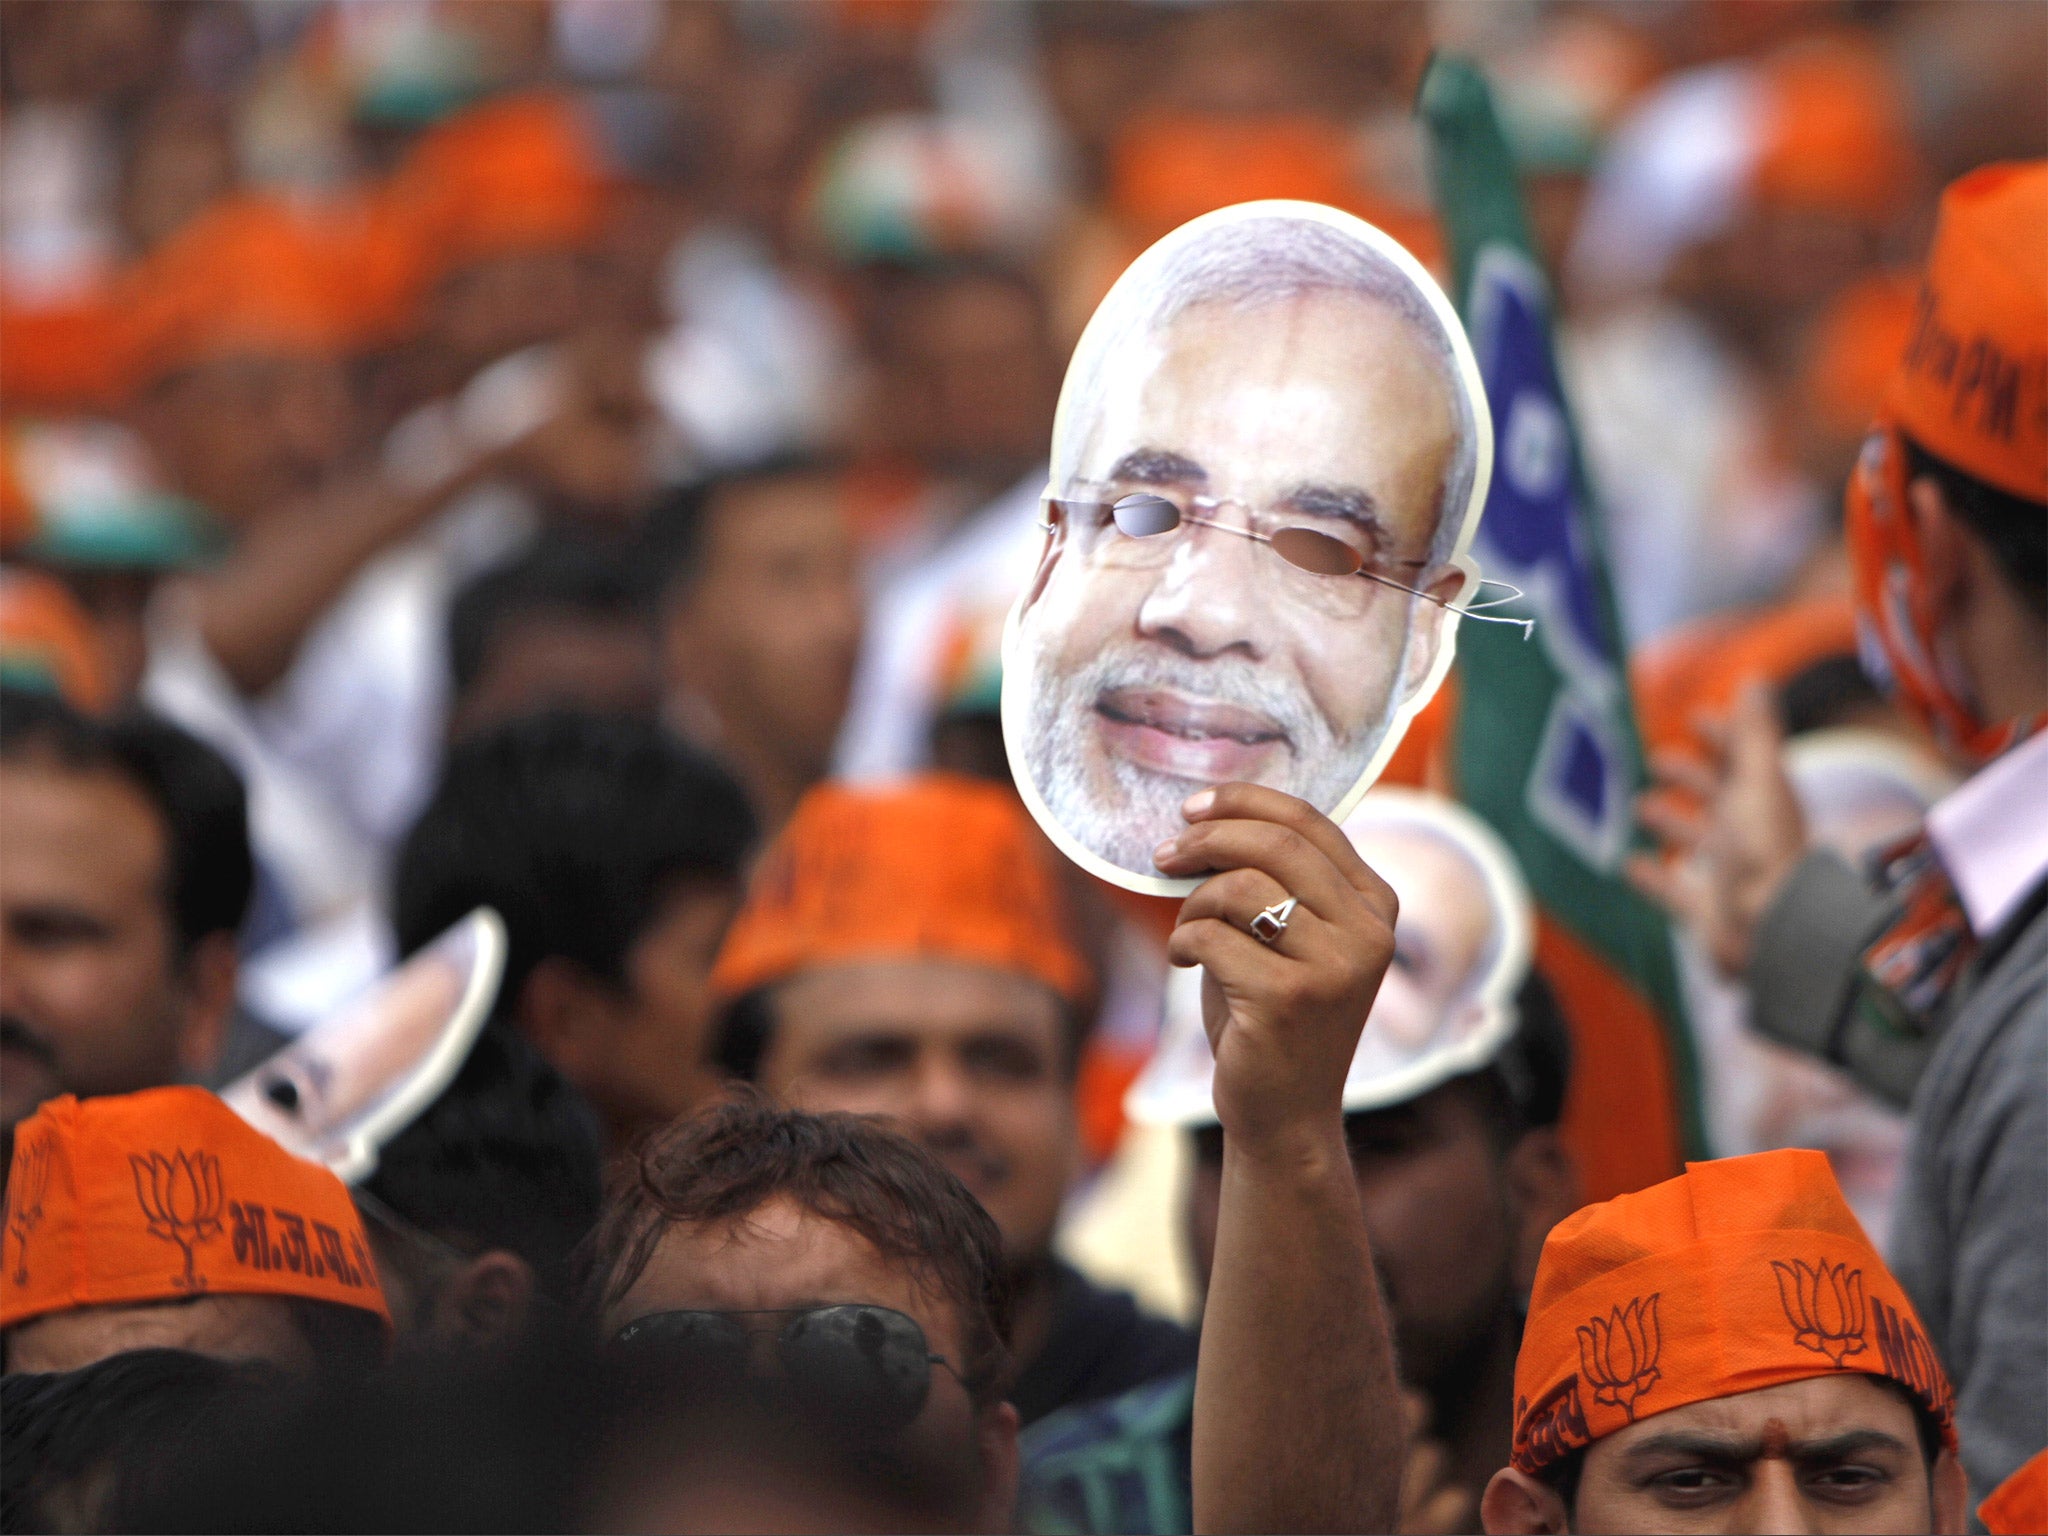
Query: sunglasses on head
[
  {"x": 1147, "y": 514},
  {"x": 856, "y": 1361}
]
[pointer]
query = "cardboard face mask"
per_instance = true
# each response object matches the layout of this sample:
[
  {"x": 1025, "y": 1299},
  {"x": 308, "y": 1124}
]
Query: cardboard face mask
[
  {"x": 1269, "y": 454},
  {"x": 1461, "y": 948},
  {"x": 350, "y": 1083}
]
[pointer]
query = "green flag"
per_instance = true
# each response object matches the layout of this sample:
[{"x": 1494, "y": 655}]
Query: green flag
[{"x": 1546, "y": 746}]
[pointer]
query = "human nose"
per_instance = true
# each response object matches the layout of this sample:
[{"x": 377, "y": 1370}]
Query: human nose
[
  {"x": 1776, "y": 1504},
  {"x": 1203, "y": 601},
  {"x": 942, "y": 1099}
]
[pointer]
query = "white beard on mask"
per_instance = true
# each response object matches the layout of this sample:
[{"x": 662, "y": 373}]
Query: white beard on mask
[{"x": 1141, "y": 806}]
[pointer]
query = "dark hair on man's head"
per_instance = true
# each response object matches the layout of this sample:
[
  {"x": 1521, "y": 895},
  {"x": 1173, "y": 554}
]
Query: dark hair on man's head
[
  {"x": 578, "y": 829},
  {"x": 678, "y": 525},
  {"x": 196, "y": 794},
  {"x": 1833, "y": 691},
  {"x": 2013, "y": 528},
  {"x": 508, "y": 1157},
  {"x": 74, "y": 1439},
  {"x": 720, "y": 1166},
  {"x": 575, "y": 574}
]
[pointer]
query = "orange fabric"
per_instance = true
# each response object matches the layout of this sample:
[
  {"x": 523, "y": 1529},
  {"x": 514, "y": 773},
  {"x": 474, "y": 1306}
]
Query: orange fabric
[
  {"x": 1169, "y": 167},
  {"x": 937, "y": 867},
  {"x": 2019, "y": 1505},
  {"x": 1855, "y": 349},
  {"x": 250, "y": 275},
  {"x": 63, "y": 357},
  {"x": 166, "y": 1194},
  {"x": 1835, "y": 134},
  {"x": 1620, "y": 1117},
  {"x": 44, "y": 631},
  {"x": 1701, "y": 668},
  {"x": 1972, "y": 388},
  {"x": 1739, "y": 1274},
  {"x": 519, "y": 173}
]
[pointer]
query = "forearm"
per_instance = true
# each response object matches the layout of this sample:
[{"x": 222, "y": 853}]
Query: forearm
[
  {"x": 257, "y": 608},
  {"x": 1297, "y": 1420}
]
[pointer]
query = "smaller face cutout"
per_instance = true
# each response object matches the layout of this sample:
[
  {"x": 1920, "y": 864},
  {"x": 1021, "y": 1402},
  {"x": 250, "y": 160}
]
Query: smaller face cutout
[
  {"x": 1270, "y": 449},
  {"x": 353, "y": 1081}
]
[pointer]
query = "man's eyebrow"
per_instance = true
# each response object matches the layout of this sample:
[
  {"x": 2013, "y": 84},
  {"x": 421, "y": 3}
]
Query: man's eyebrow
[
  {"x": 1158, "y": 466},
  {"x": 1734, "y": 1449},
  {"x": 1318, "y": 498}
]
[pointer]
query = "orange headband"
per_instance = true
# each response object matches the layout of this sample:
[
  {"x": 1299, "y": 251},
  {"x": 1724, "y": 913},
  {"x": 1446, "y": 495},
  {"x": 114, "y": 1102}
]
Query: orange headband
[
  {"x": 167, "y": 1194},
  {"x": 1739, "y": 1274},
  {"x": 938, "y": 867}
]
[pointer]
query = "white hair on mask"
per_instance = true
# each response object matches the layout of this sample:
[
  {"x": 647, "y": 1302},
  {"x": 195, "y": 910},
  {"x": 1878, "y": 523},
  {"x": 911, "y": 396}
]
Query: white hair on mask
[{"x": 1247, "y": 263}]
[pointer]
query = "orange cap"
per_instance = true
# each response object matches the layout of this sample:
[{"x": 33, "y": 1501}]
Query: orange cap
[
  {"x": 46, "y": 638},
  {"x": 519, "y": 173},
  {"x": 937, "y": 867},
  {"x": 1834, "y": 134},
  {"x": 1739, "y": 1274},
  {"x": 2019, "y": 1505},
  {"x": 1973, "y": 386},
  {"x": 1855, "y": 349},
  {"x": 166, "y": 1194},
  {"x": 251, "y": 274},
  {"x": 66, "y": 356}
]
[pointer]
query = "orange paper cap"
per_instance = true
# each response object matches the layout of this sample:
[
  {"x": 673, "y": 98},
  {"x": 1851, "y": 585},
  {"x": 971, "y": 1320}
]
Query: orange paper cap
[
  {"x": 935, "y": 868},
  {"x": 1973, "y": 386},
  {"x": 1738, "y": 1275},
  {"x": 1834, "y": 133},
  {"x": 2019, "y": 1505},
  {"x": 519, "y": 173},
  {"x": 167, "y": 1194},
  {"x": 250, "y": 275}
]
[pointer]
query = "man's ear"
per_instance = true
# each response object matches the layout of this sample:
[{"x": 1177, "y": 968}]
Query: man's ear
[
  {"x": 1950, "y": 1496},
  {"x": 1516, "y": 1504},
  {"x": 486, "y": 1302},
  {"x": 570, "y": 1016},
  {"x": 1428, "y": 621},
  {"x": 1543, "y": 1180},
  {"x": 1943, "y": 541},
  {"x": 211, "y": 972},
  {"x": 996, "y": 1431}
]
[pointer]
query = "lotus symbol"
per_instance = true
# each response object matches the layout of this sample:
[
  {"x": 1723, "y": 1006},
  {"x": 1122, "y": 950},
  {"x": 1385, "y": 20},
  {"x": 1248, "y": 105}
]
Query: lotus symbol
[
  {"x": 180, "y": 1195},
  {"x": 1618, "y": 1353},
  {"x": 1824, "y": 1304},
  {"x": 26, "y": 1184}
]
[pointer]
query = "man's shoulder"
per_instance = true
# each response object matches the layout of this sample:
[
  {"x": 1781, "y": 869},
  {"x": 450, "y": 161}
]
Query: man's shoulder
[{"x": 1120, "y": 1464}]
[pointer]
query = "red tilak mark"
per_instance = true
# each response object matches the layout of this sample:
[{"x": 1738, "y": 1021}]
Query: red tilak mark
[{"x": 1776, "y": 1442}]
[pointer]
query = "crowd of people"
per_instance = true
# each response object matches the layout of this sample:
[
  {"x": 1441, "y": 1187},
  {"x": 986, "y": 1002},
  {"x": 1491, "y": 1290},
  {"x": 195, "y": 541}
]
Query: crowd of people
[{"x": 543, "y": 482}]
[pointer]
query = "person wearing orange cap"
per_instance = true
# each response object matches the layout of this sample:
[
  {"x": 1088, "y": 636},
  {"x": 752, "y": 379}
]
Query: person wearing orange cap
[
  {"x": 905, "y": 952},
  {"x": 162, "y": 1219},
  {"x": 1725, "y": 1351},
  {"x": 1928, "y": 979}
]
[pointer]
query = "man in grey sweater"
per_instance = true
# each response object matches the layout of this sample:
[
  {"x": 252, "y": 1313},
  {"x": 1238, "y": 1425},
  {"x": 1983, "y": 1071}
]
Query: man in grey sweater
[{"x": 1927, "y": 975}]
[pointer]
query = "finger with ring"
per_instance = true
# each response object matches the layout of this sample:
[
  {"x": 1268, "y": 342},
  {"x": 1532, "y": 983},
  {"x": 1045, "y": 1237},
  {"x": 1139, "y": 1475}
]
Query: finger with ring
[{"x": 1272, "y": 922}]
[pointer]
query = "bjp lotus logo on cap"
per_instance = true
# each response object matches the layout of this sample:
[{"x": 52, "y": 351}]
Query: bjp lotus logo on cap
[
  {"x": 180, "y": 1196},
  {"x": 1618, "y": 1353},
  {"x": 27, "y": 1183},
  {"x": 1824, "y": 1304}
]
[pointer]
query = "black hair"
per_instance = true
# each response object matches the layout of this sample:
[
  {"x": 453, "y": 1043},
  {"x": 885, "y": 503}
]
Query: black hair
[
  {"x": 563, "y": 572},
  {"x": 678, "y": 525},
  {"x": 508, "y": 1157},
  {"x": 2013, "y": 528},
  {"x": 742, "y": 1032},
  {"x": 577, "y": 828},
  {"x": 74, "y": 1438},
  {"x": 1832, "y": 691},
  {"x": 195, "y": 792}
]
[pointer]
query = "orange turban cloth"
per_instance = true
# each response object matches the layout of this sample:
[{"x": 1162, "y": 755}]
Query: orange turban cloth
[
  {"x": 1739, "y": 1274},
  {"x": 1973, "y": 386},
  {"x": 518, "y": 173},
  {"x": 251, "y": 274},
  {"x": 2019, "y": 1505},
  {"x": 47, "y": 641},
  {"x": 1834, "y": 134},
  {"x": 935, "y": 868},
  {"x": 168, "y": 1194}
]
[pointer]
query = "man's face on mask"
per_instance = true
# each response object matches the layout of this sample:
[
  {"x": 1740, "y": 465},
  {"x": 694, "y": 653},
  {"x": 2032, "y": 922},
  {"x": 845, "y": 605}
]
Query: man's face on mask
[{"x": 1161, "y": 664}]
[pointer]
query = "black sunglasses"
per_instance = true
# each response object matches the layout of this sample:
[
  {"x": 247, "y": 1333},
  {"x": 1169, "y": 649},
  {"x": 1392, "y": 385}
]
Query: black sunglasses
[{"x": 857, "y": 1362}]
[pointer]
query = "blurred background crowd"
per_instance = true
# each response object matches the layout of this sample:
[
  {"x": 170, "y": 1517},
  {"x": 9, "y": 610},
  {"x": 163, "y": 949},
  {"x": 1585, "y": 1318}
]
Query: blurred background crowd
[{"x": 376, "y": 375}]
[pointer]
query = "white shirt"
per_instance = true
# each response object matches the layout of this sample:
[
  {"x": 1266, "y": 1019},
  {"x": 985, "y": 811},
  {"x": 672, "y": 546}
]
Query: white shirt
[{"x": 1992, "y": 834}]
